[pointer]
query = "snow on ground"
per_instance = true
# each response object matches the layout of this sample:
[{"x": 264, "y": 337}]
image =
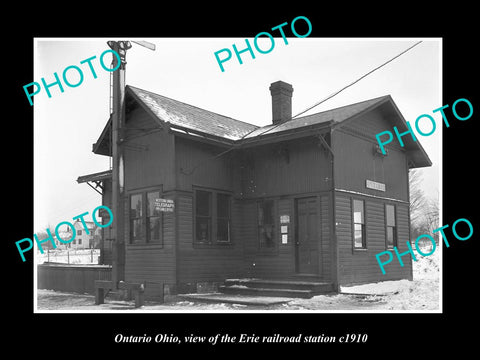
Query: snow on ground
[
  {"x": 421, "y": 294},
  {"x": 54, "y": 300}
]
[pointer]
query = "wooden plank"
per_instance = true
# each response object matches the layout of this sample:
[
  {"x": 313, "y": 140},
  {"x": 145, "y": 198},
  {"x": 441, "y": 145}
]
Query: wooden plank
[
  {"x": 361, "y": 266},
  {"x": 353, "y": 152}
]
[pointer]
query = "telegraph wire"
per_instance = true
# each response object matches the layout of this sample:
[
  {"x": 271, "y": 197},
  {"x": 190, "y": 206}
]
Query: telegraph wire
[
  {"x": 235, "y": 146},
  {"x": 357, "y": 80}
]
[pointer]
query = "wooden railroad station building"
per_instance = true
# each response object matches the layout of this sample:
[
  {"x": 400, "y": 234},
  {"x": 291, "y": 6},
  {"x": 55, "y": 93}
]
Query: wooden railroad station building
[{"x": 208, "y": 198}]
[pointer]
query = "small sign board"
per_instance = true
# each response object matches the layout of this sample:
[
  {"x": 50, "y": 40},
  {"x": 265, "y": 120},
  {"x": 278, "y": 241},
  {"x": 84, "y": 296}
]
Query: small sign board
[
  {"x": 284, "y": 219},
  {"x": 165, "y": 205},
  {"x": 375, "y": 185}
]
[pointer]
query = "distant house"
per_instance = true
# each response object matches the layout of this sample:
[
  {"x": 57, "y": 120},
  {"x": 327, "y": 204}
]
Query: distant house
[
  {"x": 65, "y": 234},
  {"x": 310, "y": 197},
  {"x": 82, "y": 239}
]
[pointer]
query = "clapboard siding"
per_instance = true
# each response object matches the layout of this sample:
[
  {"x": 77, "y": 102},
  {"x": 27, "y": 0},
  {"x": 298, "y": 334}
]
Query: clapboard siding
[
  {"x": 185, "y": 221},
  {"x": 150, "y": 265},
  {"x": 247, "y": 228},
  {"x": 360, "y": 265},
  {"x": 149, "y": 163},
  {"x": 153, "y": 264},
  {"x": 326, "y": 248},
  {"x": 197, "y": 263},
  {"x": 403, "y": 219}
]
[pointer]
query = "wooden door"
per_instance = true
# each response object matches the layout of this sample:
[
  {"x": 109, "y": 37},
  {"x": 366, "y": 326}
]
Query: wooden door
[{"x": 307, "y": 238}]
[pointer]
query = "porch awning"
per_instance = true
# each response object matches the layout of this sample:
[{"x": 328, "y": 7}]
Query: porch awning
[{"x": 95, "y": 180}]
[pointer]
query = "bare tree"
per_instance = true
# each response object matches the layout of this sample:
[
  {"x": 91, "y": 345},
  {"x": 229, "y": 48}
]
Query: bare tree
[
  {"x": 42, "y": 234},
  {"x": 417, "y": 196},
  {"x": 424, "y": 211},
  {"x": 431, "y": 218}
]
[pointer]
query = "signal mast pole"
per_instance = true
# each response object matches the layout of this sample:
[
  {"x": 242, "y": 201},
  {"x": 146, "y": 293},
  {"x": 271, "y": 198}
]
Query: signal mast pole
[{"x": 117, "y": 134}]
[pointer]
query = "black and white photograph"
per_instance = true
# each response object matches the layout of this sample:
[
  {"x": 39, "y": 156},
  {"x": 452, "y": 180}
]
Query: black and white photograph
[
  {"x": 216, "y": 181},
  {"x": 253, "y": 186}
]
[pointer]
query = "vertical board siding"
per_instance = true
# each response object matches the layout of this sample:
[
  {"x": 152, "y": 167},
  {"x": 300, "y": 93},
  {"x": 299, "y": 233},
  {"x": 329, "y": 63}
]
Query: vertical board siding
[
  {"x": 293, "y": 167},
  {"x": 360, "y": 266},
  {"x": 356, "y": 151},
  {"x": 371, "y": 124},
  {"x": 149, "y": 161},
  {"x": 198, "y": 164},
  {"x": 71, "y": 278}
]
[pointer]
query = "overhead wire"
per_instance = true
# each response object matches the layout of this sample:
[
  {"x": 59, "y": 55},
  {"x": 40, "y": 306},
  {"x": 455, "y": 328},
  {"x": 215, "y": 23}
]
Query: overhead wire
[
  {"x": 357, "y": 80},
  {"x": 235, "y": 146}
]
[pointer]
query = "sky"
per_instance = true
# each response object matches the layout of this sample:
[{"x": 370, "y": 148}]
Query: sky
[{"x": 69, "y": 123}]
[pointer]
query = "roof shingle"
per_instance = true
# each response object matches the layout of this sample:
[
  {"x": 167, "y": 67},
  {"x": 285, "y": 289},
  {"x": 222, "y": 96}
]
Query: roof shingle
[
  {"x": 187, "y": 116},
  {"x": 191, "y": 117}
]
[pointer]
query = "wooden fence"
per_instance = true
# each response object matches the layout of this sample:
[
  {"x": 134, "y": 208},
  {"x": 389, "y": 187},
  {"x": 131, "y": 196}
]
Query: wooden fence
[{"x": 71, "y": 278}]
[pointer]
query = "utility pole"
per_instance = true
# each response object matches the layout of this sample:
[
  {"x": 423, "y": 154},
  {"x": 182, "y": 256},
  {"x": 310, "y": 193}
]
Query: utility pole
[
  {"x": 118, "y": 119},
  {"x": 117, "y": 137}
]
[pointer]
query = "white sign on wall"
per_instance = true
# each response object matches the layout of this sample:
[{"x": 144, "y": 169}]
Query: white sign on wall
[
  {"x": 166, "y": 205},
  {"x": 375, "y": 185}
]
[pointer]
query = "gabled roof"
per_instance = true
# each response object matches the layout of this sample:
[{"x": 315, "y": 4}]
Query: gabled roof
[
  {"x": 193, "y": 121},
  {"x": 185, "y": 116},
  {"x": 330, "y": 117}
]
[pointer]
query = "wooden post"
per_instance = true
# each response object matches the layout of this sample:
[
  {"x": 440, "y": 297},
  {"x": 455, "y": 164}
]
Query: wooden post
[
  {"x": 118, "y": 116},
  {"x": 100, "y": 286},
  {"x": 99, "y": 296},
  {"x": 139, "y": 297}
]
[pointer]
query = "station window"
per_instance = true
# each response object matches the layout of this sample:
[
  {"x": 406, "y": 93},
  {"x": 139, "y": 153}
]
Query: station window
[
  {"x": 212, "y": 217},
  {"x": 266, "y": 223},
  {"x": 154, "y": 218},
  {"x": 391, "y": 227},
  {"x": 359, "y": 236},
  {"x": 136, "y": 213},
  {"x": 223, "y": 218},
  {"x": 146, "y": 221},
  {"x": 203, "y": 216}
]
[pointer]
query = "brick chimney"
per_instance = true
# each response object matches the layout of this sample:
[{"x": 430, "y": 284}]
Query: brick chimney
[{"x": 281, "y": 101}]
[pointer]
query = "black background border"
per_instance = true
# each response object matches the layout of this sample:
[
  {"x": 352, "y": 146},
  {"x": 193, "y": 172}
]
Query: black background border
[{"x": 388, "y": 334}]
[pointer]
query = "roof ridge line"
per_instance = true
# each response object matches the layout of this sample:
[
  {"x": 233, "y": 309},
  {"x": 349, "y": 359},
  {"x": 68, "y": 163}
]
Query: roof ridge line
[
  {"x": 343, "y": 106},
  {"x": 194, "y": 106}
]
